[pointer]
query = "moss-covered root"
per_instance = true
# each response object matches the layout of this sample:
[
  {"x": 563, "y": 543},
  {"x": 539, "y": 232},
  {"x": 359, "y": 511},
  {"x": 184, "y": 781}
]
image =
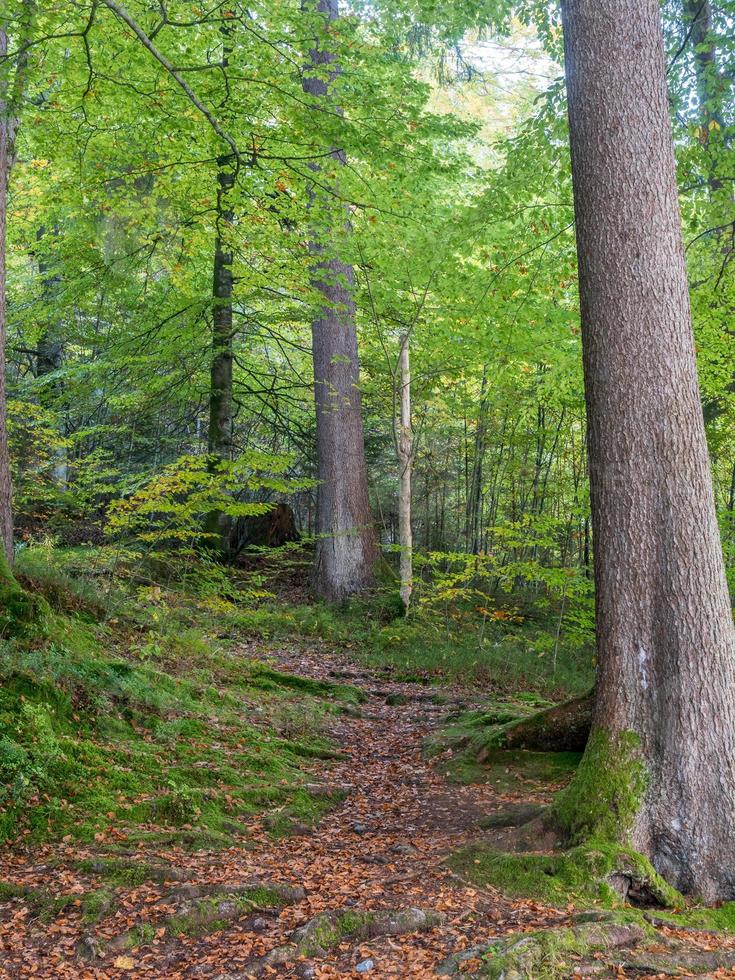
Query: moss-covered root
[
  {"x": 329, "y": 929},
  {"x": 563, "y": 728},
  {"x": 604, "y": 797},
  {"x": 547, "y": 954},
  {"x": 202, "y": 909},
  {"x": 596, "y": 872}
]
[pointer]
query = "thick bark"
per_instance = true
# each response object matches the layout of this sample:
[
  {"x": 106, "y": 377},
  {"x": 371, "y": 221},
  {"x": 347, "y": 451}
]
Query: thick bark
[
  {"x": 346, "y": 549},
  {"x": 8, "y": 127},
  {"x": 404, "y": 445},
  {"x": 219, "y": 435},
  {"x": 666, "y": 650}
]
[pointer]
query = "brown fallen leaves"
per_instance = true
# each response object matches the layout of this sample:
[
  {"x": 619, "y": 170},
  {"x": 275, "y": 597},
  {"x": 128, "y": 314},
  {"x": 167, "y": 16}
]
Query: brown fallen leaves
[{"x": 381, "y": 848}]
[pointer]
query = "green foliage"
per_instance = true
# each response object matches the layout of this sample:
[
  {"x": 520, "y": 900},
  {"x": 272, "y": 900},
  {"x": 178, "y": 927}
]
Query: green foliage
[{"x": 170, "y": 507}]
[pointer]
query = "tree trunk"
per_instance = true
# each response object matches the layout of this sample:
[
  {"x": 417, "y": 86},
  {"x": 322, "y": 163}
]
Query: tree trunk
[
  {"x": 50, "y": 355},
  {"x": 698, "y": 22},
  {"x": 219, "y": 435},
  {"x": 8, "y": 127},
  {"x": 404, "y": 445},
  {"x": 346, "y": 550},
  {"x": 659, "y": 770},
  {"x": 474, "y": 497}
]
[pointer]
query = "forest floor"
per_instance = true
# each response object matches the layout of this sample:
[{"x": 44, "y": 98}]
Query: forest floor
[{"x": 360, "y": 876}]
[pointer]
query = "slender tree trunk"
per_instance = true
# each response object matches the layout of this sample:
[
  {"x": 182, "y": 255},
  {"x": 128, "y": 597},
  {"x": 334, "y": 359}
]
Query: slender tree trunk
[
  {"x": 698, "y": 22},
  {"x": 219, "y": 434},
  {"x": 8, "y": 128},
  {"x": 50, "y": 355},
  {"x": 404, "y": 446},
  {"x": 346, "y": 549},
  {"x": 660, "y": 767},
  {"x": 474, "y": 497}
]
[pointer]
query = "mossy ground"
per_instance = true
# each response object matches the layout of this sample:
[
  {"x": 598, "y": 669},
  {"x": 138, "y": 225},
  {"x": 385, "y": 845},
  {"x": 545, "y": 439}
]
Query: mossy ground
[{"x": 143, "y": 719}]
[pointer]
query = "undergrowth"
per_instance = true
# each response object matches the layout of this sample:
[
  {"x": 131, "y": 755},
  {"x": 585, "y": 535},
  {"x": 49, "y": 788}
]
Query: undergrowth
[{"x": 128, "y": 713}]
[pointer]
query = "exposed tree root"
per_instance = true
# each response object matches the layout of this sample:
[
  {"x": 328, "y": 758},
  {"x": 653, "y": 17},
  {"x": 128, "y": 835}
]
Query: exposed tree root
[
  {"x": 328, "y": 929},
  {"x": 524, "y": 957},
  {"x": 200, "y": 909},
  {"x": 563, "y": 728}
]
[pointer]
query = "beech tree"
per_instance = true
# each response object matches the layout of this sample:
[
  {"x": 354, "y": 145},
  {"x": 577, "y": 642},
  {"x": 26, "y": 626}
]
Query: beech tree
[
  {"x": 345, "y": 548},
  {"x": 659, "y": 770}
]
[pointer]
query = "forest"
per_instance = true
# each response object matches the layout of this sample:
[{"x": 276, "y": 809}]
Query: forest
[{"x": 367, "y": 489}]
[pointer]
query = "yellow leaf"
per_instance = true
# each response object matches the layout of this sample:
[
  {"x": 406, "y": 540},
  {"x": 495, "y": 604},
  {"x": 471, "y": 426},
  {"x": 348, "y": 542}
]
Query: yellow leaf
[{"x": 124, "y": 963}]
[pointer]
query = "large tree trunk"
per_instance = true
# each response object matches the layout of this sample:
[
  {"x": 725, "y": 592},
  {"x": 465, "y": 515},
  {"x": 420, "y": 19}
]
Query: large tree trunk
[
  {"x": 659, "y": 770},
  {"x": 8, "y": 126},
  {"x": 346, "y": 550}
]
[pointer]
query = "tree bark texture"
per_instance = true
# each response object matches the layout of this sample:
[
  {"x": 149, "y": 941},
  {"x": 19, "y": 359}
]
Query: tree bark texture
[
  {"x": 346, "y": 549},
  {"x": 698, "y": 22},
  {"x": 664, "y": 625}
]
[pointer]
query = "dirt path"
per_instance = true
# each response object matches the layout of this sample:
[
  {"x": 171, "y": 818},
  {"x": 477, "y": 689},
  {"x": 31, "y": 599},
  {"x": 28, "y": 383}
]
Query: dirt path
[{"x": 382, "y": 848}]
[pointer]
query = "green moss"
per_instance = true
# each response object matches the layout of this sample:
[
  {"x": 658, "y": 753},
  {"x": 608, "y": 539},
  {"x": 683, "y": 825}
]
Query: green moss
[
  {"x": 269, "y": 679},
  {"x": 606, "y": 792},
  {"x": 511, "y": 769},
  {"x": 329, "y": 930},
  {"x": 551, "y": 954},
  {"x": 582, "y": 876},
  {"x": 140, "y": 935},
  {"x": 721, "y": 919},
  {"x": 18, "y": 609},
  {"x": 96, "y": 904},
  {"x": 212, "y": 914},
  {"x": 122, "y": 871},
  {"x": 46, "y": 906}
]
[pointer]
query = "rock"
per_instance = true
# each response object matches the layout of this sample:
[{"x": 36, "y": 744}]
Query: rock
[
  {"x": 359, "y": 828},
  {"x": 365, "y": 966},
  {"x": 259, "y": 924},
  {"x": 403, "y": 849},
  {"x": 88, "y": 948},
  {"x": 306, "y": 971},
  {"x": 452, "y": 964}
]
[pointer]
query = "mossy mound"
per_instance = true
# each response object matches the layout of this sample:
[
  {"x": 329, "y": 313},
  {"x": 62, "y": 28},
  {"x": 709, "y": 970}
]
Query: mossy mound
[
  {"x": 595, "y": 873},
  {"x": 107, "y": 723}
]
